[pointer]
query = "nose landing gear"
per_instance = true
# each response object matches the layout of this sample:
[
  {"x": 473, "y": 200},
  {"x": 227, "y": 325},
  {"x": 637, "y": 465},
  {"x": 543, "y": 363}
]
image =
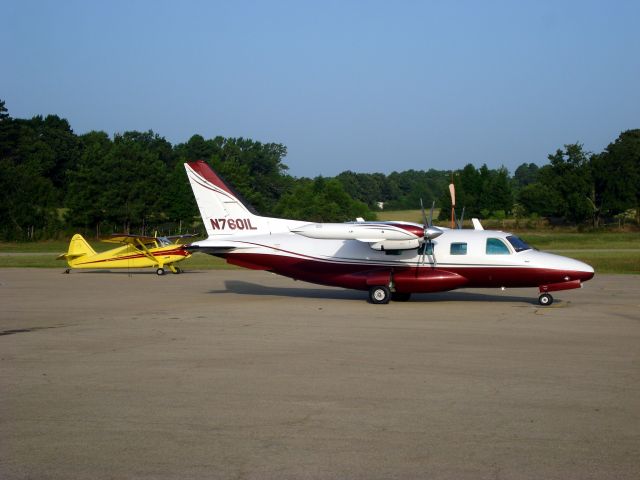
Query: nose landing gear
[{"x": 545, "y": 299}]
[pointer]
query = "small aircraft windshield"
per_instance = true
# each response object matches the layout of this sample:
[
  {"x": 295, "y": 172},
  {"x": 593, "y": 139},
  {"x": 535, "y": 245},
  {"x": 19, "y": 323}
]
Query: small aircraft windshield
[
  {"x": 164, "y": 241},
  {"x": 518, "y": 244}
]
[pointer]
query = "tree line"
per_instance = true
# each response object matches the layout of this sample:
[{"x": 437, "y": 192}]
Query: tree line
[{"x": 54, "y": 182}]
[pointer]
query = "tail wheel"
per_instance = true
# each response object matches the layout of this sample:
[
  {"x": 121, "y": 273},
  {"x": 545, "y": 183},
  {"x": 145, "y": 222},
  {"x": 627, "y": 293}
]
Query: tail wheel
[
  {"x": 379, "y": 294},
  {"x": 160, "y": 271},
  {"x": 545, "y": 299}
]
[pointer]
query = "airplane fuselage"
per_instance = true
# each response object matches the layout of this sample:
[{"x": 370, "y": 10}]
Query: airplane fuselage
[
  {"x": 459, "y": 259},
  {"x": 390, "y": 259}
]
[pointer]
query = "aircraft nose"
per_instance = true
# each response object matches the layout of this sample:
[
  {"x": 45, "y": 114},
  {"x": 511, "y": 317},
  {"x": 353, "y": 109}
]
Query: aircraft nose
[{"x": 585, "y": 271}]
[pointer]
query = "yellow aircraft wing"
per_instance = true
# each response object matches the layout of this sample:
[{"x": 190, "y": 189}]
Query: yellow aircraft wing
[
  {"x": 128, "y": 239},
  {"x": 142, "y": 239}
]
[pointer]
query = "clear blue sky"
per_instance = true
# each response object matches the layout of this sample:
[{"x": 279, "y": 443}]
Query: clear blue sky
[{"x": 360, "y": 85}]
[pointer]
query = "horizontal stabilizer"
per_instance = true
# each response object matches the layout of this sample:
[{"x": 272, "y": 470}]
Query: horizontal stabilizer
[{"x": 70, "y": 256}]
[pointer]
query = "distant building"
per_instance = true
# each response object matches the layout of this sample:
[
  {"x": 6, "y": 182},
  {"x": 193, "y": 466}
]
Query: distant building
[{"x": 380, "y": 205}]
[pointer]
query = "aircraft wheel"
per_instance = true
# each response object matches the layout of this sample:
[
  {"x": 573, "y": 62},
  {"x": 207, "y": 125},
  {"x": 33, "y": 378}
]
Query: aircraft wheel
[
  {"x": 67, "y": 271},
  {"x": 379, "y": 294},
  {"x": 178, "y": 270},
  {"x": 400, "y": 296},
  {"x": 160, "y": 271},
  {"x": 545, "y": 299}
]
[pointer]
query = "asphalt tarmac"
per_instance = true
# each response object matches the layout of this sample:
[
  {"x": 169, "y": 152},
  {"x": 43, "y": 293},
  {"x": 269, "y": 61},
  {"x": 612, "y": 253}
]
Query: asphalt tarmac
[{"x": 246, "y": 375}]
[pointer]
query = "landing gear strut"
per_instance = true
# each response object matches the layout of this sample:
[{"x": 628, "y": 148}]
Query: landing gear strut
[{"x": 545, "y": 299}]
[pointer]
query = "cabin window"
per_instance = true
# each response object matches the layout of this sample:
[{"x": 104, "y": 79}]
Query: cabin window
[
  {"x": 518, "y": 244},
  {"x": 458, "y": 248},
  {"x": 495, "y": 246}
]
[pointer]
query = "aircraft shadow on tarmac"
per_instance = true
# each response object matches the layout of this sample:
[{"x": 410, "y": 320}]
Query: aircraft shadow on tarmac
[
  {"x": 248, "y": 288},
  {"x": 131, "y": 272}
]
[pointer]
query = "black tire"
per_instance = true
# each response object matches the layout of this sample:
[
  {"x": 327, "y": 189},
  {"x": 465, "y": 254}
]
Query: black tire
[
  {"x": 545, "y": 299},
  {"x": 379, "y": 294},
  {"x": 160, "y": 271},
  {"x": 400, "y": 296},
  {"x": 178, "y": 270}
]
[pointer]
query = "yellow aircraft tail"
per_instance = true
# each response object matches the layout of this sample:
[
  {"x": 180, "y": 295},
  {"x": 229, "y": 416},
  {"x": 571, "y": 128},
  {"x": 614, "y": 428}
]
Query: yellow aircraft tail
[{"x": 78, "y": 247}]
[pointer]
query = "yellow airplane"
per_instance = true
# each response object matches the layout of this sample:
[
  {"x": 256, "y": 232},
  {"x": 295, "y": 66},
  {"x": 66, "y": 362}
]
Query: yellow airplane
[{"x": 137, "y": 251}]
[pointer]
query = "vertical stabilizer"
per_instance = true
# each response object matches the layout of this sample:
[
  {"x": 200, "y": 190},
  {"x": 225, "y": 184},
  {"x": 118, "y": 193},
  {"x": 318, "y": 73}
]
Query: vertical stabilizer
[
  {"x": 78, "y": 247},
  {"x": 223, "y": 213}
]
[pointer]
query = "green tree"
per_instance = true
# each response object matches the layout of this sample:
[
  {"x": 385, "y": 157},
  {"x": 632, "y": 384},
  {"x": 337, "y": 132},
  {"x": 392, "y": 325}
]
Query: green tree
[
  {"x": 616, "y": 174},
  {"x": 497, "y": 192},
  {"x": 86, "y": 196},
  {"x": 30, "y": 163},
  {"x": 525, "y": 174},
  {"x": 121, "y": 183},
  {"x": 538, "y": 199},
  {"x": 321, "y": 200},
  {"x": 569, "y": 178}
]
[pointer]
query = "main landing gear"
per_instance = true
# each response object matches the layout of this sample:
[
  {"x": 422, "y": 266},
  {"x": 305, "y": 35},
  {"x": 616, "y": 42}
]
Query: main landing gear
[
  {"x": 381, "y": 294},
  {"x": 545, "y": 299},
  {"x": 162, "y": 271}
]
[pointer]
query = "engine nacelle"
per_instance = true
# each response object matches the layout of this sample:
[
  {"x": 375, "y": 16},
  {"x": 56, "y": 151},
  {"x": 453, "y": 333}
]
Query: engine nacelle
[{"x": 396, "y": 244}]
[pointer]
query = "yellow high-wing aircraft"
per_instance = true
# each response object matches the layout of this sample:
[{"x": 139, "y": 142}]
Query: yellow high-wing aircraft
[{"x": 137, "y": 251}]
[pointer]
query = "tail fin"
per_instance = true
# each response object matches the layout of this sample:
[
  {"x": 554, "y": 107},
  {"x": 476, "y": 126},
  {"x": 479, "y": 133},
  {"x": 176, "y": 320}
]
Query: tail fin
[
  {"x": 78, "y": 247},
  {"x": 223, "y": 213}
]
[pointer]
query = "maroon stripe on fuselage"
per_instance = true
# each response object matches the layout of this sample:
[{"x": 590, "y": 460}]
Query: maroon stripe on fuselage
[{"x": 354, "y": 275}]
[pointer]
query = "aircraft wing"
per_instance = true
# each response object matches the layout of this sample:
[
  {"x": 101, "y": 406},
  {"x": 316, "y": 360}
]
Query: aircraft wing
[
  {"x": 218, "y": 246},
  {"x": 184, "y": 235},
  {"x": 128, "y": 239}
]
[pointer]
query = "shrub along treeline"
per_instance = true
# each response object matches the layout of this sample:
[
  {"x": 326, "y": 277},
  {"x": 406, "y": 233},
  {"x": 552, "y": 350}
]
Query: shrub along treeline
[{"x": 54, "y": 182}]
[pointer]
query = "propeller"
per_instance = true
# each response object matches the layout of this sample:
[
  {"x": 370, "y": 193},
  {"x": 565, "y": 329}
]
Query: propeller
[
  {"x": 452, "y": 193},
  {"x": 429, "y": 233},
  {"x": 461, "y": 220}
]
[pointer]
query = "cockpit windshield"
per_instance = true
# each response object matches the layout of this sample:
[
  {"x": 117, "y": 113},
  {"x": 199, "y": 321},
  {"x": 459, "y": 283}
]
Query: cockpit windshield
[
  {"x": 518, "y": 244},
  {"x": 164, "y": 241}
]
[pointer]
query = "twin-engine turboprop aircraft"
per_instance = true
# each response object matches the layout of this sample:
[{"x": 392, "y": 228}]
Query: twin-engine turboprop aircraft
[
  {"x": 137, "y": 251},
  {"x": 391, "y": 260}
]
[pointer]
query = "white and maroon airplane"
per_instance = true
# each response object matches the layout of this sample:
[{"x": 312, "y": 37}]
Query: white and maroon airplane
[{"x": 390, "y": 260}]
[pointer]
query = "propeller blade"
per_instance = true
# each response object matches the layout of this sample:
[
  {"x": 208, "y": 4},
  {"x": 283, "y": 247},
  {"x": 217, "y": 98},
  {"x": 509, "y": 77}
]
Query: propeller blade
[
  {"x": 461, "y": 219},
  {"x": 424, "y": 214},
  {"x": 433, "y": 204}
]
